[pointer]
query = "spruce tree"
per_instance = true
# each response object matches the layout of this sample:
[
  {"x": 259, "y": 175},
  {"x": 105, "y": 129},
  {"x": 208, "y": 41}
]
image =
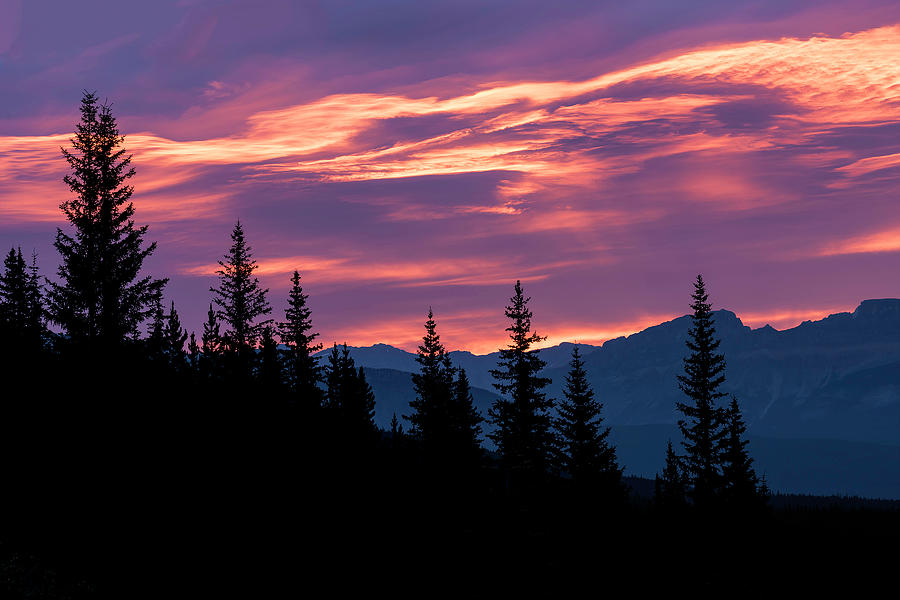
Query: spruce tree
[
  {"x": 396, "y": 430},
  {"x": 702, "y": 419},
  {"x": 350, "y": 399},
  {"x": 241, "y": 301},
  {"x": 586, "y": 453},
  {"x": 430, "y": 416},
  {"x": 270, "y": 375},
  {"x": 101, "y": 298},
  {"x": 194, "y": 355},
  {"x": 210, "y": 347},
  {"x": 174, "y": 337},
  {"x": 671, "y": 489},
  {"x": 21, "y": 305},
  {"x": 741, "y": 487},
  {"x": 465, "y": 424},
  {"x": 523, "y": 433},
  {"x": 334, "y": 381},
  {"x": 156, "y": 340},
  {"x": 303, "y": 372},
  {"x": 36, "y": 320}
]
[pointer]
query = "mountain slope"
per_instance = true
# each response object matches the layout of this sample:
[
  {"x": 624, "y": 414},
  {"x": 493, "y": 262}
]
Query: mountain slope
[{"x": 835, "y": 378}]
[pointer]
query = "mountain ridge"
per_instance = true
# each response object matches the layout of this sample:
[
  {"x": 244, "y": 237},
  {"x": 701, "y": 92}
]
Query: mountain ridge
[{"x": 837, "y": 377}]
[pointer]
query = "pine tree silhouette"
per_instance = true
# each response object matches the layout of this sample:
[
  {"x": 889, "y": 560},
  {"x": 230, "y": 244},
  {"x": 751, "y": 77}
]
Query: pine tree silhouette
[
  {"x": 465, "y": 424},
  {"x": 210, "y": 347},
  {"x": 101, "y": 299},
  {"x": 671, "y": 488},
  {"x": 241, "y": 301},
  {"x": 174, "y": 337},
  {"x": 303, "y": 372},
  {"x": 194, "y": 356},
  {"x": 349, "y": 399},
  {"x": 21, "y": 305},
  {"x": 702, "y": 421},
  {"x": 521, "y": 415},
  {"x": 430, "y": 422},
  {"x": 156, "y": 340},
  {"x": 270, "y": 370},
  {"x": 586, "y": 453},
  {"x": 741, "y": 487}
]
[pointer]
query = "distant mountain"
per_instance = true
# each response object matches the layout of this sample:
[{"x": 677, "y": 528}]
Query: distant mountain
[
  {"x": 822, "y": 399},
  {"x": 837, "y": 378},
  {"x": 394, "y": 390}
]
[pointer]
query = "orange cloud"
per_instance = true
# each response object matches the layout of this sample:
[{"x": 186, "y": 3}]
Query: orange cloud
[
  {"x": 881, "y": 241},
  {"x": 870, "y": 164}
]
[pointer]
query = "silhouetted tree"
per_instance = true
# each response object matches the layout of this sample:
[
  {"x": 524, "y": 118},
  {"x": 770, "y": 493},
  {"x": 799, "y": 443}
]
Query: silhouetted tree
[
  {"x": 21, "y": 305},
  {"x": 523, "y": 431},
  {"x": 101, "y": 299},
  {"x": 741, "y": 487},
  {"x": 350, "y": 399},
  {"x": 210, "y": 347},
  {"x": 194, "y": 355},
  {"x": 396, "y": 429},
  {"x": 671, "y": 489},
  {"x": 241, "y": 301},
  {"x": 303, "y": 372},
  {"x": 270, "y": 363},
  {"x": 174, "y": 337},
  {"x": 701, "y": 424},
  {"x": 156, "y": 340},
  {"x": 429, "y": 419},
  {"x": 586, "y": 453},
  {"x": 465, "y": 423}
]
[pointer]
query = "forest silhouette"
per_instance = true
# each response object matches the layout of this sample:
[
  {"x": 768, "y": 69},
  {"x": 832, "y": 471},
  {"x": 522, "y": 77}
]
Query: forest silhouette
[{"x": 140, "y": 460}]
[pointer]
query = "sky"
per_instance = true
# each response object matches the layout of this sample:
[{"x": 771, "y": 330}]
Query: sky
[{"x": 404, "y": 154}]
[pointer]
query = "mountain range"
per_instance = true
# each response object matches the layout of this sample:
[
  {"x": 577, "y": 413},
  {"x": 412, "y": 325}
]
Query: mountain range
[{"x": 827, "y": 388}]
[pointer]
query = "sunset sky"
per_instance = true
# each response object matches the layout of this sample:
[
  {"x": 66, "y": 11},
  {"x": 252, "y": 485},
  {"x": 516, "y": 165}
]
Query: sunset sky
[{"x": 406, "y": 153}]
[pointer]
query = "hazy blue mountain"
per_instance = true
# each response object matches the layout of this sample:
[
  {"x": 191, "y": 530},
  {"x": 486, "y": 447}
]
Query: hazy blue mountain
[
  {"x": 822, "y": 399},
  {"x": 837, "y": 378},
  {"x": 394, "y": 390}
]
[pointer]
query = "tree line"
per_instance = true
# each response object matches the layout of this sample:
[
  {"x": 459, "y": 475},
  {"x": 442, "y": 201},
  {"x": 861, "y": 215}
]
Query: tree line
[
  {"x": 101, "y": 300},
  {"x": 103, "y": 326}
]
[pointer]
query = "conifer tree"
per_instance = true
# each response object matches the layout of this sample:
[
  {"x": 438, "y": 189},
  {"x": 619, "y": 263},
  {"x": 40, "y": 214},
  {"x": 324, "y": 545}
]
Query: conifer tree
[
  {"x": 270, "y": 363},
  {"x": 101, "y": 297},
  {"x": 671, "y": 489},
  {"x": 21, "y": 305},
  {"x": 464, "y": 417},
  {"x": 430, "y": 416},
  {"x": 396, "y": 429},
  {"x": 36, "y": 321},
  {"x": 241, "y": 301},
  {"x": 465, "y": 422},
  {"x": 586, "y": 453},
  {"x": 350, "y": 398},
  {"x": 702, "y": 419},
  {"x": 334, "y": 381},
  {"x": 522, "y": 414},
  {"x": 194, "y": 355},
  {"x": 741, "y": 487},
  {"x": 303, "y": 372},
  {"x": 174, "y": 336},
  {"x": 210, "y": 347},
  {"x": 156, "y": 344}
]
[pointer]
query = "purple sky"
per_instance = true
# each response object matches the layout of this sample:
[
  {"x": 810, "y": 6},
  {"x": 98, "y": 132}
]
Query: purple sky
[{"x": 407, "y": 154}]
